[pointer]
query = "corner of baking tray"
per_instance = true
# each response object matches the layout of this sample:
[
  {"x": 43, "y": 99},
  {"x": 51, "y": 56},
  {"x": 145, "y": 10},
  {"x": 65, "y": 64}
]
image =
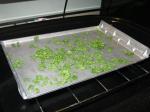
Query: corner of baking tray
[
  {"x": 125, "y": 40},
  {"x": 1, "y": 43}
]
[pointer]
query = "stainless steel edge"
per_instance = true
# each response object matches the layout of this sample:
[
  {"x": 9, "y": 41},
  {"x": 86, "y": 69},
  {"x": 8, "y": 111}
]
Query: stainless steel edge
[{"x": 125, "y": 40}]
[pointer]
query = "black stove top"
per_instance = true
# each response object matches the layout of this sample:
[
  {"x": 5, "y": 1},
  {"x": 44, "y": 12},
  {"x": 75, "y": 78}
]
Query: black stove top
[
  {"x": 123, "y": 90},
  {"x": 12, "y": 1}
]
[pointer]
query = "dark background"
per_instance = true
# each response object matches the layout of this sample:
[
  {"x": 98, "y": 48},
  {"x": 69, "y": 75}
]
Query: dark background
[
  {"x": 12, "y": 1},
  {"x": 137, "y": 11}
]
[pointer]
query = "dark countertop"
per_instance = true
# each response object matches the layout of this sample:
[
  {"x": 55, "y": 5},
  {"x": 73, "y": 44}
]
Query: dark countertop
[{"x": 134, "y": 97}]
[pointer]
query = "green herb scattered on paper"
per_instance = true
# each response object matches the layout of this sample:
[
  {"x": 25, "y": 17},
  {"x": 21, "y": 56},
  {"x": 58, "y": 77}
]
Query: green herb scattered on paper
[
  {"x": 110, "y": 49},
  {"x": 72, "y": 55},
  {"x": 17, "y": 63},
  {"x": 98, "y": 44},
  {"x": 128, "y": 53}
]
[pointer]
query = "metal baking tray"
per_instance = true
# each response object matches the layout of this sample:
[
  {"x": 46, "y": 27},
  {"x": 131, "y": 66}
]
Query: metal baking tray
[{"x": 45, "y": 63}]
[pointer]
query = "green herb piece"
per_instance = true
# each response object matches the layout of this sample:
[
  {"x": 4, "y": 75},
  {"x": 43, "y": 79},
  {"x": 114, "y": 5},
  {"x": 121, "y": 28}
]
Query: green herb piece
[
  {"x": 73, "y": 77},
  {"x": 119, "y": 61},
  {"x": 31, "y": 87},
  {"x": 59, "y": 56},
  {"x": 104, "y": 66},
  {"x": 100, "y": 33},
  {"x": 17, "y": 63},
  {"x": 36, "y": 90},
  {"x": 54, "y": 81},
  {"x": 80, "y": 66},
  {"x": 98, "y": 44},
  {"x": 52, "y": 67},
  {"x": 107, "y": 67},
  {"x": 38, "y": 79},
  {"x": 45, "y": 81},
  {"x": 66, "y": 40},
  {"x": 69, "y": 45},
  {"x": 66, "y": 75},
  {"x": 128, "y": 53},
  {"x": 74, "y": 35},
  {"x": 80, "y": 45},
  {"x": 41, "y": 80},
  {"x": 42, "y": 66},
  {"x": 110, "y": 49},
  {"x": 96, "y": 70},
  {"x": 43, "y": 54}
]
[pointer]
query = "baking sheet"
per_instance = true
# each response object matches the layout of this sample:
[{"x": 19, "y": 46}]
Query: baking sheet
[{"x": 116, "y": 51}]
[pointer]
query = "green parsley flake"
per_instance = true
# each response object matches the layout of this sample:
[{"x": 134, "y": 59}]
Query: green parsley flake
[
  {"x": 17, "y": 63},
  {"x": 110, "y": 49},
  {"x": 128, "y": 53},
  {"x": 98, "y": 44}
]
